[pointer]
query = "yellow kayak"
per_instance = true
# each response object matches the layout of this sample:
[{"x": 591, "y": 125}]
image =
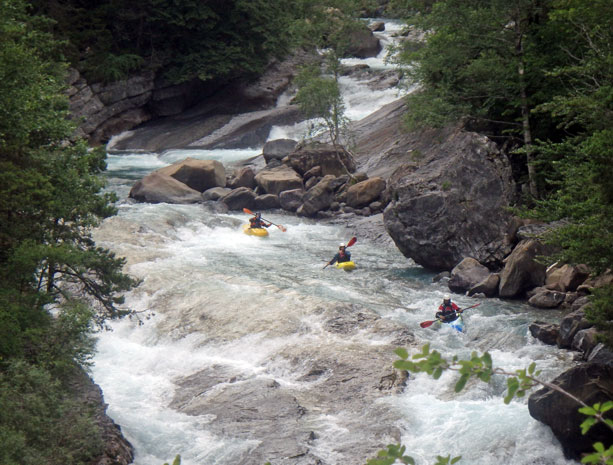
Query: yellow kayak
[
  {"x": 347, "y": 266},
  {"x": 260, "y": 232}
]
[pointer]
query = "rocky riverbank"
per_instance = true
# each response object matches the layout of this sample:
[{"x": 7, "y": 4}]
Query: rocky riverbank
[{"x": 441, "y": 195}]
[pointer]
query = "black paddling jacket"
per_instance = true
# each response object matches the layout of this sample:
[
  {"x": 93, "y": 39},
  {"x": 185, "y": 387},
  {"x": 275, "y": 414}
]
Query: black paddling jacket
[
  {"x": 257, "y": 223},
  {"x": 337, "y": 258}
]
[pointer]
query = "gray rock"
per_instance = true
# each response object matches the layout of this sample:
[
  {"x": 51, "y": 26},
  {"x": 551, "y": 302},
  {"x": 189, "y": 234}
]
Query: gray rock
[
  {"x": 240, "y": 198},
  {"x": 291, "y": 200},
  {"x": 311, "y": 182},
  {"x": 332, "y": 161},
  {"x": 545, "y": 332},
  {"x": 451, "y": 203},
  {"x": 466, "y": 274},
  {"x": 267, "y": 202},
  {"x": 279, "y": 179},
  {"x": 200, "y": 175},
  {"x": 313, "y": 172},
  {"x": 319, "y": 197},
  {"x": 215, "y": 193},
  {"x": 547, "y": 299},
  {"x": 570, "y": 325},
  {"x": 362, "y": 43},
  {"x": 284, "y": 417},
  {"x": 160, "y": 188},
  {"x": 244, "y": 177},
  {"x": 590, "y": 382},
  {"x": 566, "y": 278},
  {"x": 585, "y": 341},
  {"x": 365, "y": 192},
  {"x": 488, "y": 287},
  {"x": 278, "y": 149},
  {"x": 522, "y": 271}
]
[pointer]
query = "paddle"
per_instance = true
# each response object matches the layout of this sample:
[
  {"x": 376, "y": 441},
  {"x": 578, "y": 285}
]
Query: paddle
[
  {"x": 280, "y": 226},
  {"x": 349, "y": 244},
  {"x": 426, "y": 324}
]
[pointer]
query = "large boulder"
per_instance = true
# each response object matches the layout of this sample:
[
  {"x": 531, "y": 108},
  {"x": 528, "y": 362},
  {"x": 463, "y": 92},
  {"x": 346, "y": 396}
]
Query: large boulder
[
  {"x": 570, "y": 325},
  {"x": 267, "y": 202},
  {"x": 466, "y": 274},
  {"x": 200, "y": 175},
  {"x": 590, "y": 382},
  {"x": 278, "y": 179},
  {"x": 240, "y": 198},
  {"x": 291, "y": 200},
  {"x": 278, "y": 149},
  {"x": 566, "y": 277},
  {"x": 362, "y": 43},
  {"x": 160, "y": 188},
  {"x": 331, "y": 160},
  {"x": 215, "y": 193},
  {"x": 365, "y": 192},
  {"x": 244, "y": 177},
  {"x": 451, "y": 202},
  {"x": 488, "y": 286},
  {"x": 545, "y": 332},
  {"x": 547, "y": 299},
  {"x": 522, "y": 271},
  {"x": 319, "y": 197}
]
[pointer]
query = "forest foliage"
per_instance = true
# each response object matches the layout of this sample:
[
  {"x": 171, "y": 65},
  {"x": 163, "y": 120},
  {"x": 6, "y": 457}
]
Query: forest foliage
[
  {"x": 56, "y": 285},
  {"x": 536, "y": 76}
]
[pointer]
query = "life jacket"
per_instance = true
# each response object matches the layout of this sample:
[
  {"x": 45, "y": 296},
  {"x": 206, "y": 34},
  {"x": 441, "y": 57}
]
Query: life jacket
[{"x": 447, "y": 308}]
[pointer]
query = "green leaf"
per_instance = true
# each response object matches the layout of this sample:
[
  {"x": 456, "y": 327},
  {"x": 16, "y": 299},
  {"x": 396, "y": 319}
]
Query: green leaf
[
  {"x": 531, "y": 368},
  {"x": 461, "y": 382},
  {"x": 606, "y": 406},
  {"x": 588, "y": 410},
  {"x": 402, "y": 353},
  {"x": 587, "y": 424}
]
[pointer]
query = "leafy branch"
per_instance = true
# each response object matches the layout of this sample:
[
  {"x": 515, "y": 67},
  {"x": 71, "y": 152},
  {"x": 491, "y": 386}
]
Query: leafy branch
[{"x": 519, "y": 383}]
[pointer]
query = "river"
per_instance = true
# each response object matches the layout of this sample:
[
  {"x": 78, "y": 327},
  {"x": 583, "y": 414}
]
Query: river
[{"x": 257, "y": 310}]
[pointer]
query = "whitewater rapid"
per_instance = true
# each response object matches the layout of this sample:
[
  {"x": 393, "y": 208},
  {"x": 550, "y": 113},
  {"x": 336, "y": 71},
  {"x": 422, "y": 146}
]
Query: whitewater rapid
[{"x": 257, "y": 312}]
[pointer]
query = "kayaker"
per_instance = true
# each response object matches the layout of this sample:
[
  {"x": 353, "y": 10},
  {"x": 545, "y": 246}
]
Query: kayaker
[
  {"x": 448, "y": 311},
  {"x": 257, "y": 222},
  {"x": 343, "y": 255}
]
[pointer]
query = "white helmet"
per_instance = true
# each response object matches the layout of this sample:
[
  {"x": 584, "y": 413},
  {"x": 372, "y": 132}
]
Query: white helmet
[
  {"x": 342, "y": 244},
  {"x": 446, "y": 297}
]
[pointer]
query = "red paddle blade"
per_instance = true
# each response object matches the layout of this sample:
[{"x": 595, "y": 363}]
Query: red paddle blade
[
  {"x": 281, "y": 227},
  {"x": 425, "y": 324},
  {"x": 351, "y": 242},
  {"x": 249, "y": 212}
]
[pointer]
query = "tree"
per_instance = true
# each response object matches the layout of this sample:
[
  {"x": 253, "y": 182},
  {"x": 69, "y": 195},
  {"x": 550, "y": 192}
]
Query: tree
[
  {"x": 183, "y": 40},
  {"x": 580, "y": 181},
  {"x": 482, "y": 62},
  {"x": 55, "y": 283}
]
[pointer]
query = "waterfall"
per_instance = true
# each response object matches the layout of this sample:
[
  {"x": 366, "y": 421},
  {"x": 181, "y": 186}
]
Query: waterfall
[{"x": 249, "y": 351}]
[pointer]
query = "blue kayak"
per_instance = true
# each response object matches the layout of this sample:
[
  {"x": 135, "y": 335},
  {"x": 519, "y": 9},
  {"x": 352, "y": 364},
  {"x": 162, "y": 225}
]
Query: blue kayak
[{"x": 457, "y": 324}]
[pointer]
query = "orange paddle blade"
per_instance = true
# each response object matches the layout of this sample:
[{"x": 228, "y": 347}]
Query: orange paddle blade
[{"x": 249, "y": 212}]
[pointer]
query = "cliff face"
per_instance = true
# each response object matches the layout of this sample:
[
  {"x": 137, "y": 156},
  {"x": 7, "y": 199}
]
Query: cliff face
[
  {"x": 117, "y": 450},
  {"x": 106, "y": 110}
]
